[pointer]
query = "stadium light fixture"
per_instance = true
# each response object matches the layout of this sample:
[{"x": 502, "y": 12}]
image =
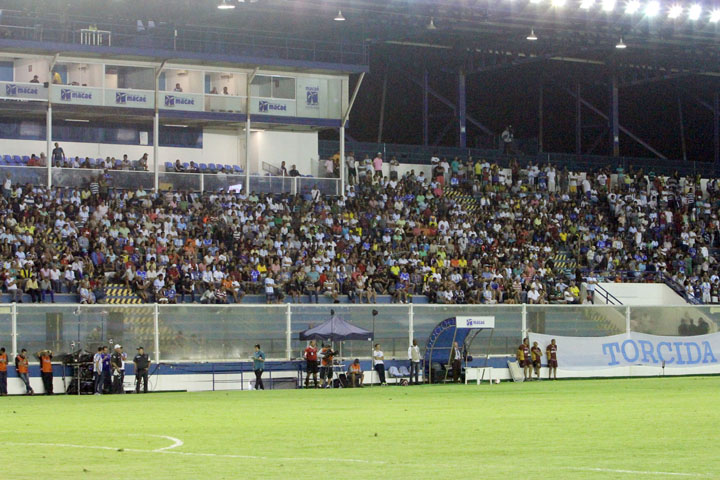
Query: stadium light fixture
[
  {"x": 431, "y": 25},
  {"x": 715, "y": 16},
  {"x": 652, "y": 9},
  {"x": 695, "y": 11},
  {"x": 535, "y": 1},
  {"x": 532, "y": 37},
  {"x": 608, "y": 5},
  {"x": 339, "y": 17},
  {"x": 587, "y": 4},
  {"x": 224, "y": 5},
  {"x": 675, "y": 11},
  {"x": 558, "y": 3},
  {"x": 621, "y": 45},
  {"x": 632, "y": 7}
]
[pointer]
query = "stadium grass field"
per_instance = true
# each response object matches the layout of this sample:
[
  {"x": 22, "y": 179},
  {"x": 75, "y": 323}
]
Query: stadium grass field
[{"x": 620, "y": 428}]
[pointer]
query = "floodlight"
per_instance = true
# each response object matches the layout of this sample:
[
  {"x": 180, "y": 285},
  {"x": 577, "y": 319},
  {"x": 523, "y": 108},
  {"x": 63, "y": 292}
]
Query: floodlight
[
  {"x": 587, "y": 4},
  {"x": 632, "y": 7},
  {"x": 532, "y": 37},
  {"x": 608, "y": 5},
  {"x": 694, "y": 12},
  {"x": 621, "y": 45},
  {"x": 535, "y": 1},
  {"x": 675, "y": 11},
  {"x": 339, "y": 17},
  {"x": 558, "y": 3},
  {"x": 652, "y": 9},
  {"x": 224, "y": 5},
  {"x": 715, "y": 16}
]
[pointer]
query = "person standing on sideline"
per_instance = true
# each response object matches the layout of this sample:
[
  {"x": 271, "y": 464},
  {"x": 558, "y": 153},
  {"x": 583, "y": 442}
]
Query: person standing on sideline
[
  {"x": 106, "y": 371},
  {"x": 456, "y": 362},
  {"x": 310, "y": 355},
  {"x": 117, "y": 362},
  {"x": 142, "y": 365},
  {"x": 326, "y": 370},
  {"x": 258, "y": 359},
  {"x": 379, "y": 363},
  {"x": 97, "y": 371},
  {"x": 3, "y": 372},
  {"x": 523, "y": 358},
  {"x": 552, "y": 362},
  {"x": 46, "y": 372},
  {"x": 536, "y": 354},
  {"x": 414, "y": 357},
  {"x": 21, "y": 367}
]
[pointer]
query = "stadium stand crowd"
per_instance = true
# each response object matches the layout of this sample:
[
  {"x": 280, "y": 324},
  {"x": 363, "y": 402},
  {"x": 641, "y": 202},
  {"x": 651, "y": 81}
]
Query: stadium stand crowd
[{"x": 473, "y": 233}]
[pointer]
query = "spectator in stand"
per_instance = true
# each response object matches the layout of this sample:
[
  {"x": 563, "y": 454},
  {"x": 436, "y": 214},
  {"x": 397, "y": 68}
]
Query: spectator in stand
[
  {"x": 35, "y": 79},
  {"x": 177, "y": 88},
  {"x": 294, "y": 171},
  {"x": 178, "y": 167},
  {"x": 58, "y": 156},
  {"x": 143, "y": 162},
  {"x": 377, "y": 165}
]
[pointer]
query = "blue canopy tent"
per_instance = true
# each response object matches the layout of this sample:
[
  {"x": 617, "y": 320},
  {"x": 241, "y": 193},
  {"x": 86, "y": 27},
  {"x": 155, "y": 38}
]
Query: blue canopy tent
[
  {"x": 439, "y": 345},
  {"x": 336, "y": 330}
]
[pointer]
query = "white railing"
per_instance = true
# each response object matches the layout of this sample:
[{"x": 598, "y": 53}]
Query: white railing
[
  {"x": 91, "y": 36},
  {"x": 191, "y": 332}
]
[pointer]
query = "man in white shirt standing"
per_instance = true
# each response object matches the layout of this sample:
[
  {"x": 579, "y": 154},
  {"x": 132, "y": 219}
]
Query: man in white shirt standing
[
  {"x": 98, "y": 370},
  {"x": 379, "y": 363},
  {"x": 414, "y": 357},
  {"x": 269, "y": 289}
]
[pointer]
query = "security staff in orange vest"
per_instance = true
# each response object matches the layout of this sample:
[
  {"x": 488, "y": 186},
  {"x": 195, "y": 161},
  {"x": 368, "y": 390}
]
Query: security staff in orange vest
[
  {"x": 21, "y": 367},
  {"x": 3, "y": 372},
  {"x": 46, "y": 371}
]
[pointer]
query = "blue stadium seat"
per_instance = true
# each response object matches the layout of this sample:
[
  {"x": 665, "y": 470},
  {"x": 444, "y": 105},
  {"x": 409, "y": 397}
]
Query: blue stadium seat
[
  {"x": 203, "y": 167},
  {"x": 211, "y": 166},
  {"x": 25, "y": 159},
  {"x": 186, "y": 165},
  {"x": 91, "y": 162},
  {"x": 118, "y": 163},
  {"x": 17, "y": 160},
  {"x": 169, "y": 167},
  {"x": 7, "y": 159},
  {"x": 99, "y": 161},
  {"x": 228, "y": 168},
  {"x": 237, "y": 169}
]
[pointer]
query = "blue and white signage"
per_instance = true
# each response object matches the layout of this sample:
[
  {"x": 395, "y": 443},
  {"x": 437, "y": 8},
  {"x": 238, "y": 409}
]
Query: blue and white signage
[
  {"x": 130, "y": 98},
  {"x": 312, "y": 97},
  {"x": 475, "y": 322},
  {"x": 23, "y": 91},
  {"x": 584, "y": 353},
  {"x": 273, "y": 106},
  {"x": 76, "y": 95},
  {"x": 182, "y": 101}
]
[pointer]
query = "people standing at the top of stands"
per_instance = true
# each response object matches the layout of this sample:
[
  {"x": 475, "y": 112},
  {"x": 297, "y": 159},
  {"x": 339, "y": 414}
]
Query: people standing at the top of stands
[
  {"x": 214, "y": 91},
  {"x": 178, "y": 88},
  {"x": 351, "y": 166},
  {"x": 35, "y": 79},
  {"x": 56, "y": 78},
  {"x": 225, "y": 91},
  {"x": 445, "y": 165},
  {"x": 394, "y": 166},
  {"x": 294, "y": 171},
  {"x": 58, "y": 156},
  {"x": 283, "y": 169},
  {"x": 508, "y": 136},
  {"x": 329, "y": 167},
  {"x": 377, "y": 165}
]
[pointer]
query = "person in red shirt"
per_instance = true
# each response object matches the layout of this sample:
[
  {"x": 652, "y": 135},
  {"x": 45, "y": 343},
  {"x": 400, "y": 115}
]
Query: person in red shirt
[
  {"x": 46, "y": 372},
  {"x": 3, "y": 372},
  {"x": 523, "y": 358},
  {"x": 21, "y": 367},
  {"x": 310, "y": 355},
  {"x": 551, "y": 351},
  {"x": 536, "y": 354}
]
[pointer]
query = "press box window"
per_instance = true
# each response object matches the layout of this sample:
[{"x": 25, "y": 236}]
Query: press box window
[
  {"x": 261, "y": 86},
  {"x": 283, "y": 87}
]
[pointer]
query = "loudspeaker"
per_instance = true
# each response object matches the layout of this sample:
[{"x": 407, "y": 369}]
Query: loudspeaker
[
  {"x": 115, "y": 326},
  {"x": 53, "y": 330}
]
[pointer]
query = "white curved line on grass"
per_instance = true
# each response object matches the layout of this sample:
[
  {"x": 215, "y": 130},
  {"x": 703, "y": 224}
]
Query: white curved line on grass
[{"x": 176, "y": 442}]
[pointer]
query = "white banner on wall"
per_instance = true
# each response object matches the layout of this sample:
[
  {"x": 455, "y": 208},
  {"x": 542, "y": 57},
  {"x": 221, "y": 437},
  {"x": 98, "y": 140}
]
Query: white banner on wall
[
  {"x": 312, "y": 97},
  {"x": 475, "y": 322},
  {"x": 76, "y": 95},
  {"x": 273, "y": 106},
  {"x": 182, "y": 101},
  {"x": 25, "y": 91},
  {"x": 130, "y": 98},
  {"x": 586, "y": 353}
]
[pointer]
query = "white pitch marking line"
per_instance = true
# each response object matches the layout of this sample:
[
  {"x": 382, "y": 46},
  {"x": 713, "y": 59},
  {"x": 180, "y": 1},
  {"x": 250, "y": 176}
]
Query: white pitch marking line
[
  {"x": 217, "y": 455},
  {"x": 176, "y": 442},
  {"x": 637, "y": 472}
]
